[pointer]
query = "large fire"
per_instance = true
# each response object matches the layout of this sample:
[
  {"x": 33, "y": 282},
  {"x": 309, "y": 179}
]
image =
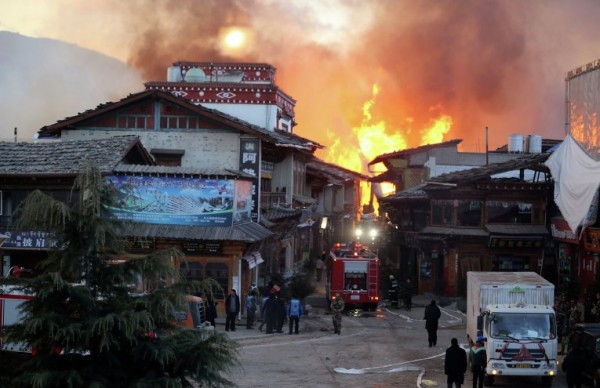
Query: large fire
[{"x": 372, "y": 138}]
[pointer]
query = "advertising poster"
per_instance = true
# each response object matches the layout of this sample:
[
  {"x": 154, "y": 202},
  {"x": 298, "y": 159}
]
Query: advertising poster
[{"x": 174, "y": 201}]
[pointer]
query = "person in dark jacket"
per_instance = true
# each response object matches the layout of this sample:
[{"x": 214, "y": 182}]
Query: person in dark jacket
[
  {"x": 232, "y": 309},
  {"x": 432, "y": 316},
  {"x": 407, "y": 291},
  {"x": 279, "y": 312},
  {"x": 211, "y": 311},
  {"x": 573, "y": 365},
  {"x": 270, "y": 315},
  {"x": 455, "y": 364}
]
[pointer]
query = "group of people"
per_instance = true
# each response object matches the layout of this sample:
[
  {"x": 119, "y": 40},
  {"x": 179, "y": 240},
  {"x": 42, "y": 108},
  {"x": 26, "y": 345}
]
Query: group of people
[
  {"x": 456, "y": 362},
  {"x": 275, "y": 311},
  {"x": 400, "y": 291}
]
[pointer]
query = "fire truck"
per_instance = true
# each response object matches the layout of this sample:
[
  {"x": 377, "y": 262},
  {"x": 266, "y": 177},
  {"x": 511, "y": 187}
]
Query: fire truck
[{"x": 354, "y": 275}]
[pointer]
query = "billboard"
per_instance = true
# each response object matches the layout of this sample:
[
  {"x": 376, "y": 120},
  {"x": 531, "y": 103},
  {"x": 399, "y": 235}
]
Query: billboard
[
  {"x": 583, "y": 106},
  {"x": 180, "y": 201}
]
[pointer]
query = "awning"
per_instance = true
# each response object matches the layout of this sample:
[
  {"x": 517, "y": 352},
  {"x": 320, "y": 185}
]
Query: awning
[
  {"x": 446, "y": 231},
  {"x": 253, "y": 259},
  {"x": 517, "y": 229}
]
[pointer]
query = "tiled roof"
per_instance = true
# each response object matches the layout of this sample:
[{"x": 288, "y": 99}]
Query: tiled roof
[
  {"x": 413, "y": 193},
  {"x": 246, "y": 232},
  {"x": 278, "y": 138},
  {"x": 411, "y": 151},
  {"x": 64, "y": 157},
  {"x": 176, "y": 170},
  {"x": 531, "y": 161},
  {"x": 334, "y": 171}
]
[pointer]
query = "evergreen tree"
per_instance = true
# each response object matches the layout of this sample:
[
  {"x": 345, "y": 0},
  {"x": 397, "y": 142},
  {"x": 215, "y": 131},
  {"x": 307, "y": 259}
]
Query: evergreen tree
[{"x": 86, "y": 327}]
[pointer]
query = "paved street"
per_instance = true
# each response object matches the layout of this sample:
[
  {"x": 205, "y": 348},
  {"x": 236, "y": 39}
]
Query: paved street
[{"x": 386, "y": 348}]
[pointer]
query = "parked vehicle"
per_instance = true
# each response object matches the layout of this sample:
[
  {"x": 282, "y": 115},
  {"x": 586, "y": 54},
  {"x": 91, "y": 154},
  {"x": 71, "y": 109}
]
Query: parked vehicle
[
  {"x": 10, "y": 299},
  {"x": 514, "y": 312},
  {"x": 587, "y": 335},
  {"x": 354, "y": 275}
]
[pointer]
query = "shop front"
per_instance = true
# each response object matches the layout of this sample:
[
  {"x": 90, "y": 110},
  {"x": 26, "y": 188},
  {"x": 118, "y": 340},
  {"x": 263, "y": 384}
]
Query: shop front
[{"x": 568, "y": 254}]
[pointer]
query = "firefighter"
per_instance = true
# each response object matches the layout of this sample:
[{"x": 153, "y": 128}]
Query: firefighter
[
  {"x": 393, "y": 291},
  {"x": 337, "y": 306}
]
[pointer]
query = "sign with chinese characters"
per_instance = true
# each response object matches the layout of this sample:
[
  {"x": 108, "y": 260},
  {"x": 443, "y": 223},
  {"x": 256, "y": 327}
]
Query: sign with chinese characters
[
  {"x": 516, "y": 242},
  {"x": 27, "y": 239},
  {"x": 250, "y": 164},
  {"x": 202, "y": 247},
  {"x": 591, "y": 239}
]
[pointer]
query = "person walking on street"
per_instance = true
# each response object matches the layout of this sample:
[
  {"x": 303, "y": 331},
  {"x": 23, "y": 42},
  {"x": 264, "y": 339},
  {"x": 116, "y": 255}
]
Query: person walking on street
[
  {"x": 478, "y": 361},
  {"x": 270, "y": 317},
  {"x": 211, "y": 310},
  {"x": 250, "y": 309},
  {"x": 294, "y": 311},
  {"x": 232, "y": 307},
  {"x": 263, "y": 310},
  {"x": 319, "y": 265},
  {"x": 573, "y": 365},
  {"x": 337, "y": 307},
  {"x": 279, "y": 312},
  {"x": 432, "y": 316},
  {"x": 407, "y": 291},
  {"x": 455, "y": 364}
]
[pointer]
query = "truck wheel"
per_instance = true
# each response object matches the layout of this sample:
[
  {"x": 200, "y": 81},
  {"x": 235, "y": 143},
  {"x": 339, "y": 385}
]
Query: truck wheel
[
  {"x": 488, "y": 380},
  {"x": 547, "y": 381}
]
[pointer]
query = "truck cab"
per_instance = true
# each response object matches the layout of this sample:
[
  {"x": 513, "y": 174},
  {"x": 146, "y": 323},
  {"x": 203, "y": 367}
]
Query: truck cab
[{"x": 521, "y": 341}]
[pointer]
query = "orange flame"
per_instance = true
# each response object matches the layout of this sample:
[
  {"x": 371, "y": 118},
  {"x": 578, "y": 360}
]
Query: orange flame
[{"x": 371, "y": 139}]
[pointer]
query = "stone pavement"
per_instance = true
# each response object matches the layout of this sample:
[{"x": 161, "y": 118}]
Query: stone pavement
[{"x": 318, "y": 316}]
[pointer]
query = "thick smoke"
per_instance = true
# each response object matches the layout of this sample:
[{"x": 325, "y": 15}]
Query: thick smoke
[{"x": 493, "y": 63}]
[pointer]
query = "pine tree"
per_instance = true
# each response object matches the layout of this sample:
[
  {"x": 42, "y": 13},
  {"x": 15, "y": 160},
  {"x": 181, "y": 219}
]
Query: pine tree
[{"x": 86, "y": 327}]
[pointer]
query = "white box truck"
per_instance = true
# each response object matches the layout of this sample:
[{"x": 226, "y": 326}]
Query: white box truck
[{"x": 514, "y": 312}]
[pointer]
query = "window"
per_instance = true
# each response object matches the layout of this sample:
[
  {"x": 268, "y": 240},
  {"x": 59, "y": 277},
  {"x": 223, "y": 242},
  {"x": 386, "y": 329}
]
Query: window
[
  {"x": 355, "y": 275},
  {"x": 509, "y": 212},
  {"x": 469, "y": 213},
  {"x": 441, "y": 213},
  {"x": 166, "y": 157},
  {"x": 510, "y": 263},
  {"x": 219, "y": 272},
  {"x": 192, "y": 271}
]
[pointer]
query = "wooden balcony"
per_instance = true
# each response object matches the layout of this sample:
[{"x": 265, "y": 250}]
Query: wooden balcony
[{"x": 269, "y": 200}]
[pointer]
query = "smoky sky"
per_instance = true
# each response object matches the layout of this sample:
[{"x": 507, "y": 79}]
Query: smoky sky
[
  {"x": 499, "y": 64},
  {"x": 496, "y": 64}
]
